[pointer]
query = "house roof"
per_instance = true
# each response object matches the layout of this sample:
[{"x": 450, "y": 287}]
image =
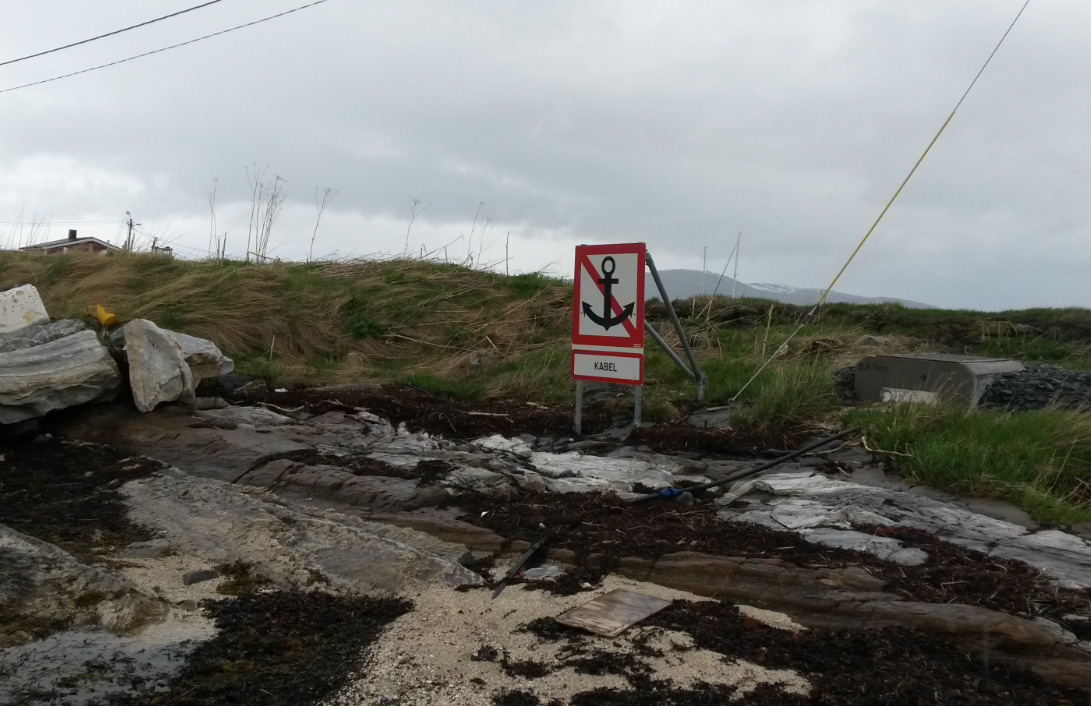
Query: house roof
[{"x": 69, "y": 241}]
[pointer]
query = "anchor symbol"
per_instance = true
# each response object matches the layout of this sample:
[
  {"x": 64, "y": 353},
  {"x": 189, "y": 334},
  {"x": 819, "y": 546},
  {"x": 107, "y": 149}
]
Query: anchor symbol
[{"x": 607, "y": 282}]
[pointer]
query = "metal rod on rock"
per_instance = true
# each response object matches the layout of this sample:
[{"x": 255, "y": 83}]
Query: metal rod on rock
[
  {"x": 519, "y": 565},
  {"x": 669, "y": 493}
]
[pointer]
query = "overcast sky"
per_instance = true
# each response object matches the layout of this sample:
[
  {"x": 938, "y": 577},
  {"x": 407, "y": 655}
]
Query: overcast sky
[{"x": 679, "y": 124}]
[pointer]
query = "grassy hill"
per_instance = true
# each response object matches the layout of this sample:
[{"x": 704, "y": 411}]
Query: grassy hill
[{"x": 475, "y": 335}]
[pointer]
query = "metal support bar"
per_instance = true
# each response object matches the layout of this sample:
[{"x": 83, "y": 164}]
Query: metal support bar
[
  {"x": 579, "y": 406},
  {"x": 637, "y": 390},
  {"x": 670, "y": 311},
  {"x": 669, "y": 351},
  {"x": 697, "y": 376}
]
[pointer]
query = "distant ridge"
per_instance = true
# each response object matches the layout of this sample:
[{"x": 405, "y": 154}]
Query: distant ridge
[{"x": 682, "y": 284}]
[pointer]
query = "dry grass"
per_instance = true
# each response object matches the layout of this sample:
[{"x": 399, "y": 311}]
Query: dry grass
[{"x": 354, "y": 320}]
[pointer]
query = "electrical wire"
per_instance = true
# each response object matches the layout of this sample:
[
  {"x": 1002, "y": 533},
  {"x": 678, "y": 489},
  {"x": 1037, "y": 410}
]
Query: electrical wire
[
  {"x": 108, "y": 34},
  {"x": 158, "y": 51},
  {"x": 58, "y": 223},
  {"x": 886, "y": 208}
]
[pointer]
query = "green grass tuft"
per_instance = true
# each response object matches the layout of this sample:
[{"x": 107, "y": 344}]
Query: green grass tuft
[
  {"x": 1039, "y": 460},
  {"x": 463, "y": 391}
]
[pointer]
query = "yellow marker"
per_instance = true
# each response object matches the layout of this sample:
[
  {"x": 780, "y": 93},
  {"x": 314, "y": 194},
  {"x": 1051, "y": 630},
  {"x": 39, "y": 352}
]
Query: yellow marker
[{"x": 105, "y": 318}]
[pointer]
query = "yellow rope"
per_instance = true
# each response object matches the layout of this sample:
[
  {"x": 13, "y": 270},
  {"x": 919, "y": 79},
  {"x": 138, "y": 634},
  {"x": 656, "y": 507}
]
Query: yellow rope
[{"x": 886, "y": 208}]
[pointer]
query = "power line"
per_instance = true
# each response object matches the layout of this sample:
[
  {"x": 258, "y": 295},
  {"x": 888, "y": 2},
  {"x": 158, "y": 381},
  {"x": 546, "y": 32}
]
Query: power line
[
  {"x": 108, "y": 34},
  {"x": 58, "y": 223},
  {"x": 173, "y": 46}
]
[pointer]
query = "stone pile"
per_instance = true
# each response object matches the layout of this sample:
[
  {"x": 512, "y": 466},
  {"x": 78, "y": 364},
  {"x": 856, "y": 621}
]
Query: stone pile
[
  {"x": 50, "y": 365},
  {"x": 1035, "y": 387},
  {"x": 1040, "y": 386}
]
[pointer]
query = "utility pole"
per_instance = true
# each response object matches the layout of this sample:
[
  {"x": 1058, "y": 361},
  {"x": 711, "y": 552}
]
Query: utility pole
[{"x": 129, "y": 240}]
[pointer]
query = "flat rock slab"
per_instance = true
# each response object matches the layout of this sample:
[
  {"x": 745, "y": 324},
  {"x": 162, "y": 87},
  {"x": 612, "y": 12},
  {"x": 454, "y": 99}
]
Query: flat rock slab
[
  {"x": 45, "y": 585},
  {"x": 804, "y": 502},
  {"x": 223, "y": 523}
]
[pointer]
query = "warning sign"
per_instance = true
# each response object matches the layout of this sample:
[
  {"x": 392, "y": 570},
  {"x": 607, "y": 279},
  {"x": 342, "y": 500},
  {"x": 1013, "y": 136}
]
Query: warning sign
[{"x": 609, "y": 296}]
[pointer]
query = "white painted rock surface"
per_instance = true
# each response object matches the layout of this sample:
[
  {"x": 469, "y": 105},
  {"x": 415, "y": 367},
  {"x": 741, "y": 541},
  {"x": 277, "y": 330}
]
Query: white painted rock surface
[
  {"x": 68, "y": 371},
  {"x": 158, "y": 371},
  {"x": 21, "y": 306},
  {"x": 805, "y": 503}
]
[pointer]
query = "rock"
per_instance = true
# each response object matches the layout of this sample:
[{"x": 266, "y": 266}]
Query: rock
[
  {"x": 191, "y": 577},
  {"x": 38, "y": 334},
  {"x": 68, "y": 371},
  {"x": 222, "y": 523},
  {"x": 152, "y": 549},
  {"x": 719, "y": 418},
  {"x": 21, "y": 307},
  {"x": 1039, "y": 386},
  {"x": 204, "y": 358},
  {"x": 158, "y": 371},
  {"x": 885, "y": 548},
  {"x": 49, "y": 586},
  {"x": 803, "y": 502}
]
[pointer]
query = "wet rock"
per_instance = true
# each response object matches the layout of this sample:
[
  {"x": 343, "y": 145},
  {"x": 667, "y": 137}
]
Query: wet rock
[
  {"x": 803, "y": 501},
  {"x": 200, "y": 576},
  {"x": 158, "y": 371},
  {"x": 47, "y": 586},
  {"x": 60, "y": 373},
  {"x": 885, "y": 548},
  {"x": 220, "y": 524},
  {"x": 20, "y": 307}
]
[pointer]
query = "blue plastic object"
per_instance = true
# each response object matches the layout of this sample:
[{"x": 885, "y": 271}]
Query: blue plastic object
[{"x": 669, "y": 493}]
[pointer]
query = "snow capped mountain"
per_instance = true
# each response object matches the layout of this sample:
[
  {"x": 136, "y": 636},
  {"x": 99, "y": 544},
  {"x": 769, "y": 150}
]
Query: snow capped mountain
[{"x": 681, "y": 284}]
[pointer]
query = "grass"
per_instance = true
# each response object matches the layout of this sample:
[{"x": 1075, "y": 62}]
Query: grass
[
  {"x": 1039, "y": 460},
  {"x": 472, "y": 335},
  {"x": 462, "y": 391}
]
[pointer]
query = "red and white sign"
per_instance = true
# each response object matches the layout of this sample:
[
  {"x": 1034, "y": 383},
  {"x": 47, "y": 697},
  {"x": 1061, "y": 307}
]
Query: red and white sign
[{"x": 608, "y": 313}]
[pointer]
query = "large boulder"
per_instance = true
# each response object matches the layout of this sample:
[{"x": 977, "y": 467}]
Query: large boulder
[
  {"x": 204, "y": 358},
  {"x": 61, "y": 372},
  {"x": 158, "y": 371},
  {"x": 20, "y": 307}
]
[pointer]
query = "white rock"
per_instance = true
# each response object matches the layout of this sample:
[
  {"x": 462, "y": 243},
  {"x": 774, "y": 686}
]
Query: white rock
[
  {"x": 62, "y": 373},
  {"x": 204, "y": 358},
  {"x": 157, "y": 367},
  {"x": 21, "y": 306},
  {"x": 804, "y": 502},
  {"x": 886, "y": 548}
]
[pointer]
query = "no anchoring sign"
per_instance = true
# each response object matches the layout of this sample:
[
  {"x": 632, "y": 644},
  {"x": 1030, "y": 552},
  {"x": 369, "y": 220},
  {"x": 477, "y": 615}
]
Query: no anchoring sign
[{"x": 608, "y": 313}]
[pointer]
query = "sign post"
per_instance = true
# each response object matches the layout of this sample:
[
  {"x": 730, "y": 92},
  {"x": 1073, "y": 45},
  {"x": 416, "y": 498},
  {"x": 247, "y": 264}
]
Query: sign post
[{"x": 608, "y": 318}]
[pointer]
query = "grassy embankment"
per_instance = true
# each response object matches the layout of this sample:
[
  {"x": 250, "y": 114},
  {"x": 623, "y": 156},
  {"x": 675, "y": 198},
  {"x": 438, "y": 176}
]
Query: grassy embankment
[{"x": 475, "y": 335}]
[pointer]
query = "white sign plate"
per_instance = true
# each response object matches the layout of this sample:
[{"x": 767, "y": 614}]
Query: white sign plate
[{"x": 608, "y": 366}]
